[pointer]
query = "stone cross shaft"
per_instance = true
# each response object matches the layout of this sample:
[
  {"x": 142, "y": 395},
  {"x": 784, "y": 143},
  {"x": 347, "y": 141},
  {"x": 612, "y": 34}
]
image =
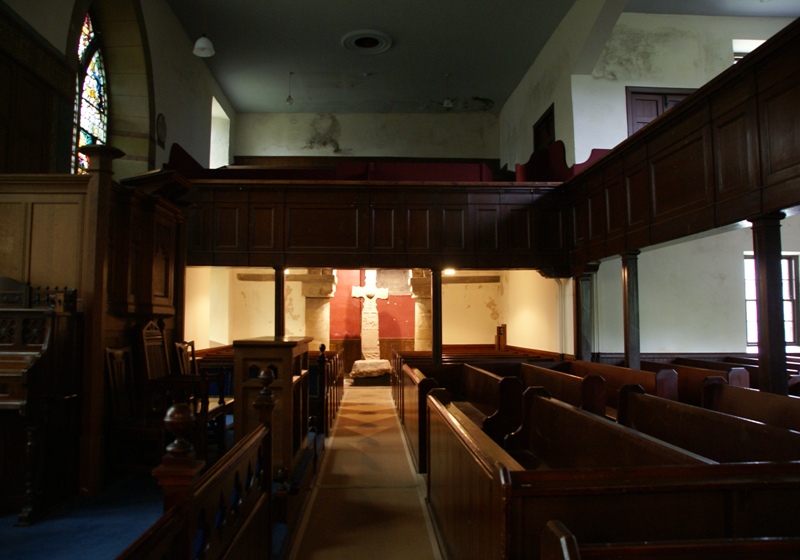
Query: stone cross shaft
[{"x": 369, "y": 314}]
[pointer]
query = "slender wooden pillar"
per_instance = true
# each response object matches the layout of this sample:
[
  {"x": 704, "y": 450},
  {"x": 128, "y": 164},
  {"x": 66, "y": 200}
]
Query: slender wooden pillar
[
  {"x": 584, "y": 318},
  {"x": 772, "y": 375},
  {"x": 95, "y": 298},
  {"x": 436, "y": 315},
  {"x": 630, "y": 302},
  {"x": 280, "y": 302}
]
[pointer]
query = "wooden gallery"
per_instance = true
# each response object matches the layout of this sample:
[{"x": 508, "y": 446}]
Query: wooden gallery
[{"x": 591, "y": 341}]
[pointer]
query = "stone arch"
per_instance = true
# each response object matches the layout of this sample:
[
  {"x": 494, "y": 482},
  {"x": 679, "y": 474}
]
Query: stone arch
[{"x": 128, "y": 70}]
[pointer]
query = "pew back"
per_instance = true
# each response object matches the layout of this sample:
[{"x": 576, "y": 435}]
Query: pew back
[
  {"x": 558, "y": 435},
  {"x": 721, "y": 437},
  {"x": 586, "y": 392},
  {"x": 692, "y": 379},
  {"x": 558, "y": 543},
  {"x": 663, "y": 383},
  {"x": 781, "y": 411}
]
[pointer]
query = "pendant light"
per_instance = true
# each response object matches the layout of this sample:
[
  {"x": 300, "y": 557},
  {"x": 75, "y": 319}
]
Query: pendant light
[{"x": 203, "y": 47}]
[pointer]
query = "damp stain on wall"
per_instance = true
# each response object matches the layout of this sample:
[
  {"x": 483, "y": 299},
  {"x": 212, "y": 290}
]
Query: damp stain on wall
[
  {"x": 631, "y": 53},
  {"x": 494, "y": 313},
  {"x": 326, "y": 130}
]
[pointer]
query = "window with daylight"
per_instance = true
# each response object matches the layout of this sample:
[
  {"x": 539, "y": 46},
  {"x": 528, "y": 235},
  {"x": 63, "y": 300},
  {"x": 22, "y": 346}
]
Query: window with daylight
[
  {"x": 91, "y": 107},
  {"x": 790, "y": 302}
]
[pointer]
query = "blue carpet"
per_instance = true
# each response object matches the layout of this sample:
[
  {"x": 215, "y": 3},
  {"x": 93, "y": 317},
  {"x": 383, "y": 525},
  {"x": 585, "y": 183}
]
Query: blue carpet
[{"x": 87, "y": 527}]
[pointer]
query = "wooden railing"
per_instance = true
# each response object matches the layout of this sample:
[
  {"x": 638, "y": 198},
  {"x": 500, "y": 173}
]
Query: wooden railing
[{"x": 226, "y": 512}]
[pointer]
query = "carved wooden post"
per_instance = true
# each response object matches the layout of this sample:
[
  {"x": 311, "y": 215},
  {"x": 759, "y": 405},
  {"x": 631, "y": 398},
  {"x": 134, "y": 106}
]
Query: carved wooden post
[
  {"x": 772, "y": 374},
  {"x": 264, "y": 404},
  {"x": 436, "y": 315},
  {"x": 630, "y": 302},
  {"x": 280, "y": 302},
  {"x": 179, "y": 468},
  {"x": 584, "y": 320}
]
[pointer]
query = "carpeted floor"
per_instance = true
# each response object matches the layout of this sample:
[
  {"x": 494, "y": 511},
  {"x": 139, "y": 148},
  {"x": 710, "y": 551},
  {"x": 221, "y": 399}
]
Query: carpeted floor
[{"x": 368, "y": 502}]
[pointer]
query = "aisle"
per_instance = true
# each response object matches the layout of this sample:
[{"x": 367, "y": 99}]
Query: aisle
[{"x": 368, "y": 502}]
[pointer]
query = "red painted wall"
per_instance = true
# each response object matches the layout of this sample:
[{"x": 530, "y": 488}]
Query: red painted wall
[{"x": 395, "y": 315}]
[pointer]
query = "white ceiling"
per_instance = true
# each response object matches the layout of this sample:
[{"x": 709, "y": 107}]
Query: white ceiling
[{"x": 485, "y": 46}]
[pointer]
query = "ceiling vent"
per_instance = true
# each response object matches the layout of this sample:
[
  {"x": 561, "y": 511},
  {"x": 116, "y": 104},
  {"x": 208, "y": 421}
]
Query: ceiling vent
[{"x": 367, "y": 42}]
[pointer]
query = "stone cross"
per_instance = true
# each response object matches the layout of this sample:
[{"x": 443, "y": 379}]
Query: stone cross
[{"x": 370, "y": 349}]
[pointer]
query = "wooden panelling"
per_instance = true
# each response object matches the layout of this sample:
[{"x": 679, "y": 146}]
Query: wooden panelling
[
  {"x": 736, "y": 164},
  {"x": 329, "y": 227},
  {"x": 418, "y": 230},
  {"x": 636, "y": 176},
  {"x": 779, "y": 120}
]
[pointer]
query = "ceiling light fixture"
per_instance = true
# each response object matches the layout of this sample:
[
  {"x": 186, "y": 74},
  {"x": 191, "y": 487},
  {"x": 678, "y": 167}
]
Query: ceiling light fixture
[
  {"x": 289, "y": 100},
  {"x": 366, "y": 41},
  {"x": 203, "y": 47}
]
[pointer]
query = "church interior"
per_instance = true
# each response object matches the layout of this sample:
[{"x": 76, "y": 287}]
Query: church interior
[{"x": 519, "y": 280}]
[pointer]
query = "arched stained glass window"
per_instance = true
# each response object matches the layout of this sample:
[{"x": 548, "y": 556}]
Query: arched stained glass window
[{"x": 91, "y": 111}]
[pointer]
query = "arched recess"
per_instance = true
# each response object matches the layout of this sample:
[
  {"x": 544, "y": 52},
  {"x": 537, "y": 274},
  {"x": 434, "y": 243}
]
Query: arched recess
[{"x": 128, "y": 71}]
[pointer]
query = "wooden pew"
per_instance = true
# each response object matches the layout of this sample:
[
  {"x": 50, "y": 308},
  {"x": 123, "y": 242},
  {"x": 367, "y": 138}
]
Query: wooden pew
[
  {"x": 493, "y": 402},
  {"x": 587, "y": 392},
  {"x": 780, "y": 411},
  {"x": 721, "y": 437},
  {"x": 226, "y": 512},
  {"x": 725, "y": 367},
  {"x": 691, "y": 379},
  {"x": 485, "y": 505},
  {"x": 663, "y": 383},
  {"x": 557, "y": 435},
  {"x": 558, "y": 543}
]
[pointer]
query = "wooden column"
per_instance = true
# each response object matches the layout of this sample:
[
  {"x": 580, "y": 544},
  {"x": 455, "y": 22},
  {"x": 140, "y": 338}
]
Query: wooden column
[
  {"x": 436, "y": 315},
  {"x": 772, "y": 375},
  {"x": 95, "y": 297},
  {"x": 630, "y": 302},
  {"x": 280, "y": 302},
  {"x": 584, "y": 317}
]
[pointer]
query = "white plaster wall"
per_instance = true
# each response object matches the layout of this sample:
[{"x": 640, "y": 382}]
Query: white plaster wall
[
  {"x": 197, "y": 313},
  {"x": 184, "y": 87},
  {"x": 691, "y": 294},
  {"x": 547, "y": 82},
  {"x": 537, "y": 316},
  {"x": 470, "y": 135},
  {"x": 655, "y": 51},
  {"x": 219, "y": 305},
  {"x": 472, "y": 312}
]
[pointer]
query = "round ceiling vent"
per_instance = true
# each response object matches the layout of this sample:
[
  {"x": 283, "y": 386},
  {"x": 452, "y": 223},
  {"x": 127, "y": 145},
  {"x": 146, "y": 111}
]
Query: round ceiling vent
[{"x": 367, "y": 42}]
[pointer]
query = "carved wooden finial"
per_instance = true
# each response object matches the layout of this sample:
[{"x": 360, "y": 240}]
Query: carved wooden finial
[{"x": 178, "y": 421}]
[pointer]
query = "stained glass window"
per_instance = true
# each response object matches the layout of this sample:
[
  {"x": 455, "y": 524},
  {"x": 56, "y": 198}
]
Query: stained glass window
[{"x": 91, "y": 111}]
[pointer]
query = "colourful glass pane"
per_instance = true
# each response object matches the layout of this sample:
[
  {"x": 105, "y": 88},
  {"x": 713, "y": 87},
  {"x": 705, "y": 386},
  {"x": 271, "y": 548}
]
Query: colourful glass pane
[
  {"x": 93, "y": 105},
  {"x": 87, "y": 35},
  {"x": 91, "y": 111}
]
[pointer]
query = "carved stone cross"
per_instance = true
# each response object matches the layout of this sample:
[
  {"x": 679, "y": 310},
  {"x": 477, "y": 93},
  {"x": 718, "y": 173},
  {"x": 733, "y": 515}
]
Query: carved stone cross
[{"x": 370, "y": 349}]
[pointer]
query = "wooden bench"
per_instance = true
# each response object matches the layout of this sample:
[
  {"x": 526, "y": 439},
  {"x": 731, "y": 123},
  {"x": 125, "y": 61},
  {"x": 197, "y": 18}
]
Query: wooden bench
[
  {"x": 493, "y": 402},
  {"x": 663, "y": 383},
  {"x": 486, "y": 505},
  {"x": 557, "y": 435},
  {"x": 691, "y": 379},
  {"x": 782, "y": 411},
  {"x": 721, "y": 437},
  {"x": 725, "y": 367},
  {"x": 587, "y": 392},
  {"x": 558, "y": 543}
]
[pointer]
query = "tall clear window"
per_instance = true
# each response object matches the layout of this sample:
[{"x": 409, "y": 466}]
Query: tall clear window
[
  {"x": 790, "y": 302},
  {"x": 91, "y": 106}
]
